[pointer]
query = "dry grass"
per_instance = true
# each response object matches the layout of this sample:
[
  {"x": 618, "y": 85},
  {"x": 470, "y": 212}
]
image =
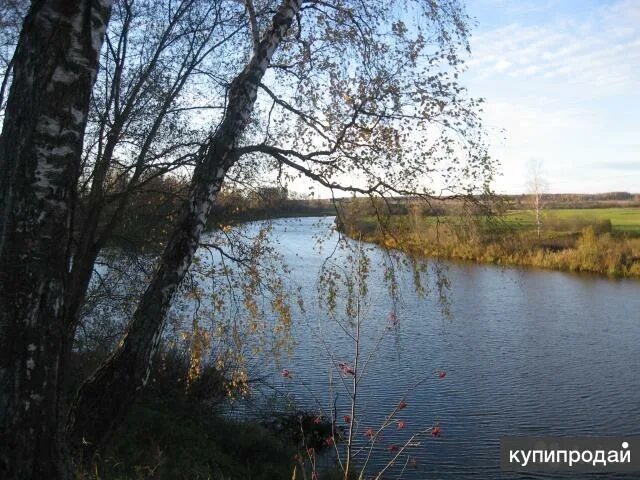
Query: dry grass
[{"x": 594, "y": 249}]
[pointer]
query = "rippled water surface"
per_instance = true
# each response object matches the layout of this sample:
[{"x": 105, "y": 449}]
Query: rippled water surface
[{"x": 527, "y": 352}]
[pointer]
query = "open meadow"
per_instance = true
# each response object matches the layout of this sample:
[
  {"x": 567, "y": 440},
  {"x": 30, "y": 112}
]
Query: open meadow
[{"x": 623, "y": 220}]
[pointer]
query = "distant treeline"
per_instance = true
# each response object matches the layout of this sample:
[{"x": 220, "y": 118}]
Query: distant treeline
[
  {"x": 153, "y": 207},
  {"x": 238, "y": 206},
  {"x": 577, "y": 200}
]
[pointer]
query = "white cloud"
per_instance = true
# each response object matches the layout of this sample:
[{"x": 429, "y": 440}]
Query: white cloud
[{"x": 600, "y": 52}]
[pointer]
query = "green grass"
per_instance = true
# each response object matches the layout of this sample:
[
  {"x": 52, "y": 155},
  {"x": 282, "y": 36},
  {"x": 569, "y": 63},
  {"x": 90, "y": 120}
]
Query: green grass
[
  {"x": 622, "y": 219},
  {"x": 565, "y": 220}
]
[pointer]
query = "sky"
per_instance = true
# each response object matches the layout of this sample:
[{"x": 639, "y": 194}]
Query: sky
[{"x": 561, "y": 80}]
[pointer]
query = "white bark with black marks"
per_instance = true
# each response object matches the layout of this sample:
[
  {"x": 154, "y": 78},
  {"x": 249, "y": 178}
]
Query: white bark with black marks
[{"x": 55, "y": 65}]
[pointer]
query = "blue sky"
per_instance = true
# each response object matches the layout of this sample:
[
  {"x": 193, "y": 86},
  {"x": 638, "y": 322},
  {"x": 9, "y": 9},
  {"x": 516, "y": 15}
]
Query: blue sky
[{"x": 561, "y": 79}]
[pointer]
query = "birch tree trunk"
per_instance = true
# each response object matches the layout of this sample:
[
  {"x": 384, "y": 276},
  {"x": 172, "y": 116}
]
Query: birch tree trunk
[
  {"x": 105, "y": 397},
  {"x": 55, "y": 65}
]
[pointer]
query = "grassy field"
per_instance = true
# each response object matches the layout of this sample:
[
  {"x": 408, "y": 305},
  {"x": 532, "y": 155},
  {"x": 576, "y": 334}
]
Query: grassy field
[
  {"x": 622, "y": 219},
  {"x": 554, "y": 221}
]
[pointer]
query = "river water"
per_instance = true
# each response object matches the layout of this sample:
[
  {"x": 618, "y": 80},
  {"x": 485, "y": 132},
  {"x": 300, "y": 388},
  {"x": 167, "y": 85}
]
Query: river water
[{"x": 526, "y": 352}]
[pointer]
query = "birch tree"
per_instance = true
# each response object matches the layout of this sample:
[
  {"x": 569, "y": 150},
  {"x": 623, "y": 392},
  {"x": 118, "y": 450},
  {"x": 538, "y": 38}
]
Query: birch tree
[
  {"x": 537, "y": 186},
  {"x": 153, "y": 50},
  {"x": 54, "y": 67}
]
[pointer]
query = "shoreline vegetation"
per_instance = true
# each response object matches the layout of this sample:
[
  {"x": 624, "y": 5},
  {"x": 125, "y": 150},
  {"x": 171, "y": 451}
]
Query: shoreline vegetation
[{"x": 603, "y": 238}]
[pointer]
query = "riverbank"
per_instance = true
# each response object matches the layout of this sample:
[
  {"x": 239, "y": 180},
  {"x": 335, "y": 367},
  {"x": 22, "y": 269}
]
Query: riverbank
[
  {"x": 180, "y": 428},
  {"x": 572, "y": 245}
]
